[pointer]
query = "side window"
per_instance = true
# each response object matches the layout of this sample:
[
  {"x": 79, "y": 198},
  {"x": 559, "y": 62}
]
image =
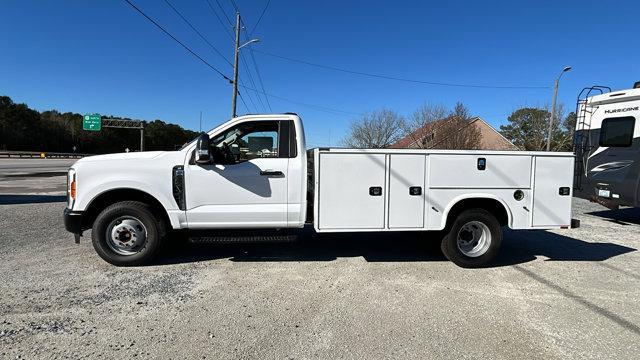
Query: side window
[
  {"x": 617, "y": 132},
  {"x": 246, "y": 141}
]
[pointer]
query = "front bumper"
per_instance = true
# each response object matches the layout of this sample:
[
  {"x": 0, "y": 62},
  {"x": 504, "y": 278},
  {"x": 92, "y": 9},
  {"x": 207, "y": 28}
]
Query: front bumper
[{"x": 73, "y": 222}]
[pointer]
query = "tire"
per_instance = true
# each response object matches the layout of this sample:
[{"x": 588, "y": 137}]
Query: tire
[
  {"x": 473, "y": 240},
  {"x": 127, "y": 233}
]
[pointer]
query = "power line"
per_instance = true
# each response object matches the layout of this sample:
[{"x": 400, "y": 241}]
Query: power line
[
  {"x": 178, "y": 41},
  {"x": 255, "y": 63},
  {"x": 244, "y": 62},
  {"x": 224, "y": 13},
  {"x": 246, "y": 67},
  {"x": 198, "y": 32},
  {"x": 313, "y": 106},
  {"x": 243, "y": 102},
  {"x": 219, "y": 19},
  {"x": 317, "y": 107},
  {"x": 329, "y": 67},
  {"x": 260, "y": 18},
  {"x": 233, "y": 3},
  {"x": 215, "y": 13}
]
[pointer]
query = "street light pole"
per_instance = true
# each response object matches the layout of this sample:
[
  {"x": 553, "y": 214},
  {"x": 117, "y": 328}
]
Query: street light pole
[
  {"x": 235, "y": 64},
  {"x": 235, "y": 67},
  {"x": 553, "y": 106}
]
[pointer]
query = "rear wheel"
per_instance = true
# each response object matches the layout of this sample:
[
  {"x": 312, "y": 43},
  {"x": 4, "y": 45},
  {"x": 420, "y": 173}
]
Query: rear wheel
[
  {"x": 473, "y": 239},
  {"x": 127, "y": 233}
]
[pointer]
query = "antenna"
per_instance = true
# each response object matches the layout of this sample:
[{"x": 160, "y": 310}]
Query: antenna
[{"x": 200, "y": 120}]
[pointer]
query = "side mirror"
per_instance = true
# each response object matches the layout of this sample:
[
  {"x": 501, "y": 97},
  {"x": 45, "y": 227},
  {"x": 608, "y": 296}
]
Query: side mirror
[{"x": 203, "y": 151}]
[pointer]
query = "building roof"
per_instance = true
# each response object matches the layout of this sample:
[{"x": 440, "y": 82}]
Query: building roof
[{"x": 490, "y": 137}]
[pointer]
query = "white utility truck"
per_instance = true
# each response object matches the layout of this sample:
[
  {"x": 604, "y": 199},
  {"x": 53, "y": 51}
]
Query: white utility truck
[{"x": 253, "y": 177}]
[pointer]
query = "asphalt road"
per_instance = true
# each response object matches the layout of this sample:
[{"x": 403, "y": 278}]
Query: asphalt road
[
  {"x": 33, "y": 176},
  {"x": 570, "y": 294},
  {"x": 12, "y": 166}
]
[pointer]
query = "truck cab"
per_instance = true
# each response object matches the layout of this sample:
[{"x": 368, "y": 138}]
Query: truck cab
[{"x": 254, "y": 177}]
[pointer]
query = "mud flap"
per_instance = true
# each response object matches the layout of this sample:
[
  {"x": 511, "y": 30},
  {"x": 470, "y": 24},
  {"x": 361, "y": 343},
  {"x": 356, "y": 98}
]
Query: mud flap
[{"x": 575, "y": 223}]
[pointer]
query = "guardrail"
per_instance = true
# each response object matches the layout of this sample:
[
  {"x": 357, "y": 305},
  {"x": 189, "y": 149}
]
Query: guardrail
[{"x": 41, "y": 155}]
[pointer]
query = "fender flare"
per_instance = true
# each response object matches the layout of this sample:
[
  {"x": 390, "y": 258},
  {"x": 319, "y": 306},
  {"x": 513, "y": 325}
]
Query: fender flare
[{"x": 479, "y": 196}]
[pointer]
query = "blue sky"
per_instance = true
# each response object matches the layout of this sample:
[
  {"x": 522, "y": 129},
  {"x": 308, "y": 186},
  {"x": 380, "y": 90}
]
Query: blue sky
[{"x": 103, "y": 57}]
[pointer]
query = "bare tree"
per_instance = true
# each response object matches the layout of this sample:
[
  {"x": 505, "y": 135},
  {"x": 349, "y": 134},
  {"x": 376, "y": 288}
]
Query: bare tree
[
  {"x": 376, "y": 130},
  {"x": 433, "y": 127},
  {"x": 420, "y": 127},
  {"x": 458, "y": 132}
]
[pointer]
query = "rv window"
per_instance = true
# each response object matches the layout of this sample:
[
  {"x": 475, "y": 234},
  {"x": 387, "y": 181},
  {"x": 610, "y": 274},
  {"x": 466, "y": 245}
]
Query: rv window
[{"x": 617, "y": 132}]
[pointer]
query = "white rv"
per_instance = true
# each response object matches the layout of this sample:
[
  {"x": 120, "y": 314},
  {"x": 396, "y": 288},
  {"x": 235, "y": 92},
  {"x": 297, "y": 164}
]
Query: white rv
[
  {"x": 253, "y": 177},
  {"x": 607, "y": 146}
]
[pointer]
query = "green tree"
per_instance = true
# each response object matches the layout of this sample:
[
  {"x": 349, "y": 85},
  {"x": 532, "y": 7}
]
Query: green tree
[
  {"x": 22, "y": 128},
  {"x": 528, "y": 129}
]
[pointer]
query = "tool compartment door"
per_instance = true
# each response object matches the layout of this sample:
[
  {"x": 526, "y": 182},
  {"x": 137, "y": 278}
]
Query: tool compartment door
[
  {"x": 351, "y": 191},
  {"x": 464, "y": 171},
  {"x": 406, "y": 191},
  {"x": 551, "y": 206}
]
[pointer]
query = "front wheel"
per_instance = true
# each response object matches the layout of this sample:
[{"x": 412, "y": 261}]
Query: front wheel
[
  {"x": 473, "y": 239},
  {"x": 127, "y": 233}
]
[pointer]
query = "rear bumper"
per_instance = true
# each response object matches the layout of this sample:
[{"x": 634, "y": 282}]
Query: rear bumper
[{"x": 73, "y": 221}]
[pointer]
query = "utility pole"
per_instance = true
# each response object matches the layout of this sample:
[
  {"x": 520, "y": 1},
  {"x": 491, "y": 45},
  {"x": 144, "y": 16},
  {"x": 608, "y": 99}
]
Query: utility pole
[
  {"x": 553, "y": 115},
  {"x": 235, "y": 67},
  {"x": 553, "y": 107},
  {"x": 142, "y": 138}
]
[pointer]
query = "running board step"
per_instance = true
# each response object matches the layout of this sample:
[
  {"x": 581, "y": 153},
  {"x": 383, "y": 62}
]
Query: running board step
[{"x": 242, "y": 239}]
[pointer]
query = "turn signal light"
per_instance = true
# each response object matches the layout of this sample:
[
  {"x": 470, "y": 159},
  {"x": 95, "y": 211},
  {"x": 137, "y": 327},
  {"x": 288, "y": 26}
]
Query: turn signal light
[{"x": 72, "y": 189}]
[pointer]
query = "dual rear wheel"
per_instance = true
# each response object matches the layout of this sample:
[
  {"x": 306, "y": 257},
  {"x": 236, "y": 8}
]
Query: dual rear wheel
[{"x": 473, "y": 239}]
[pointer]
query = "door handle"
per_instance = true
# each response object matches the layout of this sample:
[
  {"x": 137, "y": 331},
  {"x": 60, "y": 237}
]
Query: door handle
[{"x": 271, "y": 173}]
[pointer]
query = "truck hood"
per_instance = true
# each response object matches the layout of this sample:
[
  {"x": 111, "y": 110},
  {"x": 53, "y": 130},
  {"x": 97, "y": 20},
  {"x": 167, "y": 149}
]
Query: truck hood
[{"x": 123, "y": 156}]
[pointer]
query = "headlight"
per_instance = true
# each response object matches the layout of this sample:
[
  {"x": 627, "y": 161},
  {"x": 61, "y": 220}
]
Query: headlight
[{"x": 71, "y": 188}]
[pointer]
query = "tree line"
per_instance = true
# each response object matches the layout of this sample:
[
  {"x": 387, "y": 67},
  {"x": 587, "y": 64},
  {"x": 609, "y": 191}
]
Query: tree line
[
  {"x": 431, "y": 126},
  {"x": 434, "y": 126},
  {"x": 25, "y": 129}
]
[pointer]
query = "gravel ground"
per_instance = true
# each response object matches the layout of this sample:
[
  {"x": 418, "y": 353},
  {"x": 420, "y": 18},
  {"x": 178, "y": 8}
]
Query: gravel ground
[{"x": 562, "y": 294}]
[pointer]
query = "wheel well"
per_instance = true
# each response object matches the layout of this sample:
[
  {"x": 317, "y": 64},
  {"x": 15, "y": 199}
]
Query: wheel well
[
  {"x": 116, "y": 195},
  {"x": 491, "y": 205}
]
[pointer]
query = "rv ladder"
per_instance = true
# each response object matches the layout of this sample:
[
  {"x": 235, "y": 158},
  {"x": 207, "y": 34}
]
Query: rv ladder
[{"x": 582, "y": 140}]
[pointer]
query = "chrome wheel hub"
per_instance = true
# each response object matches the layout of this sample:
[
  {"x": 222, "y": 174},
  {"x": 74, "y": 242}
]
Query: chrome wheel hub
[
  {"x": 126, "y": 235},
  {"x": 474, "y": 239}
]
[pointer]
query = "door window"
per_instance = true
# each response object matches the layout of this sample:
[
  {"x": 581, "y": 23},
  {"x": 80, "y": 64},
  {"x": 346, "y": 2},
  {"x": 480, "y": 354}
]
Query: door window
[
  {"x": 617, "y": 132},
  {"x": 246, "y": 141}
]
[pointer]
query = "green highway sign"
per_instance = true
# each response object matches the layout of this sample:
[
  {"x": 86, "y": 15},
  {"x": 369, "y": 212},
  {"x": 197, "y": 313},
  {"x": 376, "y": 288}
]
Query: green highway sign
[{"x": 92, "y": 122}]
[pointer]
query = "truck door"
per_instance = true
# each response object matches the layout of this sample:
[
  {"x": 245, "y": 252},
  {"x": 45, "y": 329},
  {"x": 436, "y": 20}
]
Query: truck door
[{"x": 246, "y": 186}]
